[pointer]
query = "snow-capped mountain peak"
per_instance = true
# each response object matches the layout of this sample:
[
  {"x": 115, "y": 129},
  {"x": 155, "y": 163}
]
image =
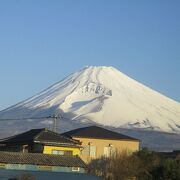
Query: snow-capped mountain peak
[{"x": 106, "y": 96}]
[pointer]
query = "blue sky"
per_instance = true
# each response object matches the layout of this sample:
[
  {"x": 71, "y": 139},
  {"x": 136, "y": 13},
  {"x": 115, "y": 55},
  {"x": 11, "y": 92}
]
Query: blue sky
[{"x": 42, "y": 41}]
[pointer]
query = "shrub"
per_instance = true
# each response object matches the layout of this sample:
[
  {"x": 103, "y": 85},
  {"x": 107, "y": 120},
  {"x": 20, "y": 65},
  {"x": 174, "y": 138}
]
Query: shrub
[
  {"x": 120, "y": 166},
  {"x": 142, "y": 165}
]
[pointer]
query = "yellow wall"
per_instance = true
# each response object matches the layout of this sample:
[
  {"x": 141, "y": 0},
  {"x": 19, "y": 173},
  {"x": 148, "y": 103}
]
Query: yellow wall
[
  {"x": 119, "y": 145},
  {"x": 48, "y": 149}
]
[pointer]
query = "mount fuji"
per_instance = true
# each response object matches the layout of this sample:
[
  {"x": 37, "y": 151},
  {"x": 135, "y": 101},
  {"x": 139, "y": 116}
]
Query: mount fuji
[{"x": 100, "y": 95}]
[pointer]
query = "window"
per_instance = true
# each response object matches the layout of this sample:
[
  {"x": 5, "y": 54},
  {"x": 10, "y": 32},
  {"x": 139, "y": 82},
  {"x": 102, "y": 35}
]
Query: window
[
  {"x": 46, "y": 168},
  {"x": 68, "y": 153},
  {"x": 92, "y": 151},
  {"x": 61, "y": 152},
  {"x": 85, "y": 151},
  {"x": 107, "y": 151},
  {"x": 75, "y": 169}
]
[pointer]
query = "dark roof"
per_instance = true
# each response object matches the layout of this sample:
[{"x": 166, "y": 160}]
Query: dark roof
[
  {"x": 42, "y": 136},
  {"x": 171, "y": 155},
  {"x": 98, "y": 133},
  {"x": 41, "y": 159}
]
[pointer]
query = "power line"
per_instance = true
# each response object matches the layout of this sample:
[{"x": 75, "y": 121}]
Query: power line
[
  {"x": 34, "y": 118},
  {"x": 29, "y": 118},
  {"x": 54, "y": 117}
]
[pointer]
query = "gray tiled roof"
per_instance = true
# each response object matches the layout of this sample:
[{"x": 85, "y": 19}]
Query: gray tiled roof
[
  {"x": 43, "y": 136},
  {"x": 98, "y": 133},
  {"x": 41, "y": 159}
]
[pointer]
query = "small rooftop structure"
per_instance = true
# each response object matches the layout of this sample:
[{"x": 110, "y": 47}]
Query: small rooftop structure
[{"x": 97, "y": 133}]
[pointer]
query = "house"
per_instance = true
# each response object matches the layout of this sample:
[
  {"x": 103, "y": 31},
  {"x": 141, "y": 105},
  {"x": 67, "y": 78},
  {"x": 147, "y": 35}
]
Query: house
[
  {"x": 41, "y": 141},
  {"x": 41, "y": 162},
  {"x": 174, "y": 155},
  {"x": 97, "y": 141}
]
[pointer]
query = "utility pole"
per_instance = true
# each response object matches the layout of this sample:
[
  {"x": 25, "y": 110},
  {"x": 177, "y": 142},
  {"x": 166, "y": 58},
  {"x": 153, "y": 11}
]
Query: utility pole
[
  {"x": 56, "y": 118},
  {"x": 55, "y": 124}
]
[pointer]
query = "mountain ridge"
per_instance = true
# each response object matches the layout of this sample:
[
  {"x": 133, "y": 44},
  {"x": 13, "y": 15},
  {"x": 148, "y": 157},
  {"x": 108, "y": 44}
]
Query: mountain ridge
[{"x": 105, "y": 96}]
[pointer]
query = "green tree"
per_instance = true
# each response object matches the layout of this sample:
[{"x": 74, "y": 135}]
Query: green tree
[
  {"x": 148, "y": 160},
  {"x": 167, "y": 170},
  {"x": 120, "y": 166},
  {"x": 142, "y": 165}
]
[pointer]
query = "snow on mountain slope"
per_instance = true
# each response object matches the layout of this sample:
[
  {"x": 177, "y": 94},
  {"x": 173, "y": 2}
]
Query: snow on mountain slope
[{"x": 105, "y": 96}]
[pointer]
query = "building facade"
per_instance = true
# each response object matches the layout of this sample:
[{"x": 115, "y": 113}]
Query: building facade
[
  {"x": 98, "y": 142},
  {"x": 41, "y": 141}
]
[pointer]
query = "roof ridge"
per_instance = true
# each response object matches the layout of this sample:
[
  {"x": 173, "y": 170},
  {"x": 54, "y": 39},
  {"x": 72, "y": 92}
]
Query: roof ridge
[
  {"x": 98, "y": 132},
  {"x": 10, "y": 137},
  {"x": 36, "y": 136},
  {"x": 57, "y": 134}
]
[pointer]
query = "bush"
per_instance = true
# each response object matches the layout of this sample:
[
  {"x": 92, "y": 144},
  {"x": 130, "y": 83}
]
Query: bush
[
  {"x": 167, "y": 170},
  {"x": 148, "y": 160},
  {"x": 142, "y": 165},
  {"x": 119, "y": 166}
]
